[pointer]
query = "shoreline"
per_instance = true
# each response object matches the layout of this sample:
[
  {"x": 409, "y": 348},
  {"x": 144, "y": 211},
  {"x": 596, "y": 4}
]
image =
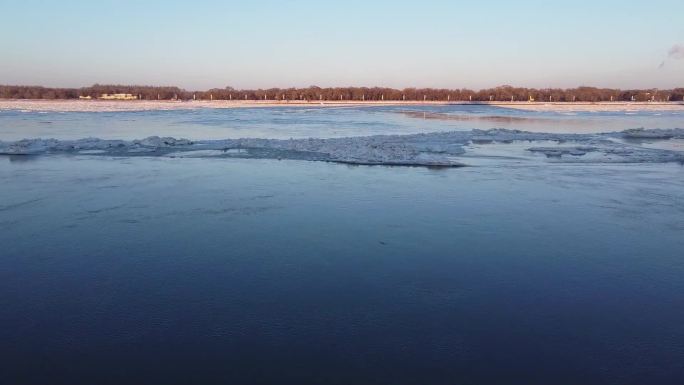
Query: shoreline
[{"x": 71, "y": 105}]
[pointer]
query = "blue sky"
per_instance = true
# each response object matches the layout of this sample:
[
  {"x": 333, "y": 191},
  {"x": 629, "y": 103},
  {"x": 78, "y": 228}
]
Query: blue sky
[{"x": 429, "y": 43}]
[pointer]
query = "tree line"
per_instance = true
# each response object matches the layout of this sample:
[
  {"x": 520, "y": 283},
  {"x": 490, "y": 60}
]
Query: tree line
[{"x": 313, "y": 93}]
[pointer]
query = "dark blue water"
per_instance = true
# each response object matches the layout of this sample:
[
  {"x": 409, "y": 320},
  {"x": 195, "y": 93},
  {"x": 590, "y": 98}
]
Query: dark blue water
[{"x": 178, "y": 271}]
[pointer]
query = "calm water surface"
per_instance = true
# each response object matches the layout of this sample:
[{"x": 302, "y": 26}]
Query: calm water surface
[{"x": 179, "y": 271}]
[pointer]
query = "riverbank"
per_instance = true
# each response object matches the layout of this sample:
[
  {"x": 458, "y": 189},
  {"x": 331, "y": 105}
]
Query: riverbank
[{"x": 148, "y": 105}]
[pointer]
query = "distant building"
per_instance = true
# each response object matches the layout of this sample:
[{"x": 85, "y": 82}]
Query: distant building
[
  {"x": 85, "y": 97},
  {"x": 118, "y": 97}
]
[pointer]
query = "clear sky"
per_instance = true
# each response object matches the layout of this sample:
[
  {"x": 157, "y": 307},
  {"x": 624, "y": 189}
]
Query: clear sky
[{"x": 428, "y": 43}]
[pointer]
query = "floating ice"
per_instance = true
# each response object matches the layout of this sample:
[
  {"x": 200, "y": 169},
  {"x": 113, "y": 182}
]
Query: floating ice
[
  {"x": 640, "y": 133},
  {"x": 560, "y": 151},
  {"x": 430, "y": 149}
]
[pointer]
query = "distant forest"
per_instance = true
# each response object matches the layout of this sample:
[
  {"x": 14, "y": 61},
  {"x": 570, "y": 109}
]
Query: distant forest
[{"x": 313, "y": 93}]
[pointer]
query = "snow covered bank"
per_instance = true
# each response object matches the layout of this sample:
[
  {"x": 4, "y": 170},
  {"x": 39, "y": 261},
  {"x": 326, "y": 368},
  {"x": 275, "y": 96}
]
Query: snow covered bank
[
  {"x": 432, "y": 149},
  {"x": 71, "y": 105}
]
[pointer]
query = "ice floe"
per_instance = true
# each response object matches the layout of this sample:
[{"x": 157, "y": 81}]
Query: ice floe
[
  {"x": 640, "y": 133},
  {"x": 447, "y": 149}
]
